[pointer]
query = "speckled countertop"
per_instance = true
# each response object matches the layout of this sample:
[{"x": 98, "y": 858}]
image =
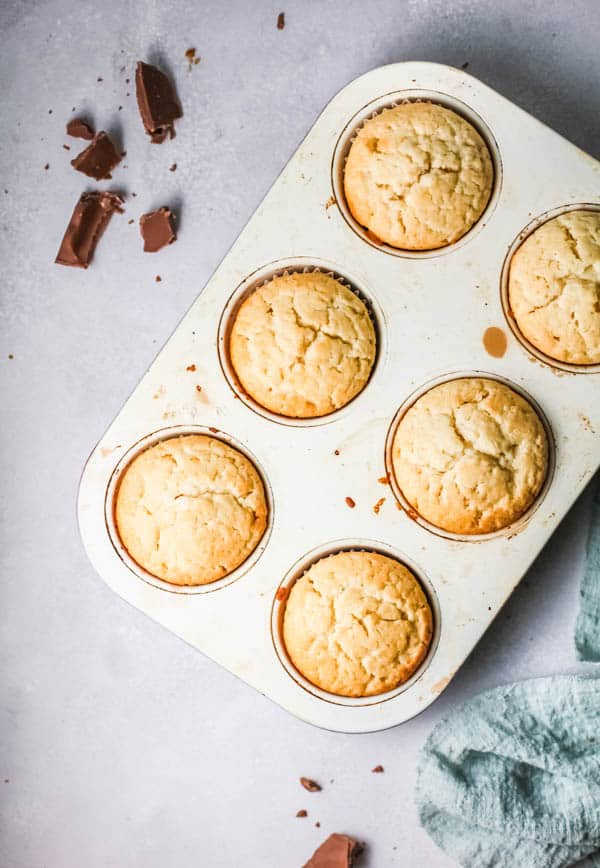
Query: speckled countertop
[{"x": 120, "y": 745}]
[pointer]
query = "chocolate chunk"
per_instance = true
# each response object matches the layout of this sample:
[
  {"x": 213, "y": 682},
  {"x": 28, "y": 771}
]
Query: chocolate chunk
[
  {"x": 157, "y": 102},
  {"x": 79, "y": 129},
  {"x": 338, "y": 851},
  {"x": 157, "y": 230},
  {"x": 87, "y": 223},
  {"x": 302, "y": 813},
  {"x": 311, "y": 786},
  {"x": 98, "y": 159},
  {"x": 281, "y": 21}
]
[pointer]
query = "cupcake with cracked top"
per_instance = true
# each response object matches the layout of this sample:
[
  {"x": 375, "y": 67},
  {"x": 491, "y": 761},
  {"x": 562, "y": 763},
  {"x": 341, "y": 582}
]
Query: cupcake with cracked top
[
  {"x": 357, "y": 623},
  {"x": 302, "y": 345},
  {"x": 554, "y": 287},
  {"x": 470, "y": 455},
  {"x": 190, "y": 509},
  {"x": 418, "y": 176}
]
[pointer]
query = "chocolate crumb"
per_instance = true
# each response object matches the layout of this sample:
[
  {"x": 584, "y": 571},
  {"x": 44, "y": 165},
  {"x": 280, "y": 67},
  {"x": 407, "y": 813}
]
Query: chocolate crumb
[
  {"x": 191, "y": 368},
  {"x": 49, "y": 111},
  {"x": 378, "y": 505},
  {"x": 158, "y": 278},
  {"x": 47, "y": 166},
  {"x": 79, "y": 129},
  {"x": 99, "y": 79},
  {"x": 126, "y": 81},
  {"x": 191, "y": 57},
  {"x": 10, "y": 356},
  {"x": 281, "y": 21},
  {"x": 66, "y": 147},
  {"x": 214, "y": 430},
  {"x": 99, "y": 158},
  {"x": 351, "y": 503},
  {"x": 302, "y": 813},
  {"x": 310, "y": 785},
  {"x": 157, "y": 230},
  {"x": 377, "y": 770},
  {"x": 465, "y": 64},
  {"x": 119, "y": 108},
  {"x": 384, "y": 480},
  {"x": 198, "y": 388},
  {"x": 318, "y": 825},
  {"x": 281, "y": 594},
  {"x": 336, "y": 451},
  {"x": 173, "y": 167},
  {"x": 131, "y": 221}
]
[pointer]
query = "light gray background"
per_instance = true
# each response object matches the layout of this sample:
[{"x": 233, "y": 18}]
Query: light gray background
[{"x": 120, "y": 745}]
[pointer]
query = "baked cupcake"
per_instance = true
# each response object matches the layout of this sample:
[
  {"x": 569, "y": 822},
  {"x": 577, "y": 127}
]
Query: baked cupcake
[
  {"x": 554, "y": 288},
  {"x": 357, "y": 623},
  {"x": 470, "y": 455},
  {"x": 190, "y": 509},
  {"x": 302, "y": 345},
  {"x": 418, "y": 176}
]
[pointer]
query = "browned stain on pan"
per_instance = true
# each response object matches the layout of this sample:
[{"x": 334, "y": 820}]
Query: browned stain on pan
[{"x": 494, "y": 341}]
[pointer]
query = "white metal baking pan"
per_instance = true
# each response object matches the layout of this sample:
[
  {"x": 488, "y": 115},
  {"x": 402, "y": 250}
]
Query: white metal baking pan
[{"x": 431, "y": 310}]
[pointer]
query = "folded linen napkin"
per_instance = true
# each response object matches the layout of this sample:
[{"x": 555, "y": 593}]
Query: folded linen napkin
[
  {"x": 587, "y": 628},
  {"x": 511, "y": 779}
]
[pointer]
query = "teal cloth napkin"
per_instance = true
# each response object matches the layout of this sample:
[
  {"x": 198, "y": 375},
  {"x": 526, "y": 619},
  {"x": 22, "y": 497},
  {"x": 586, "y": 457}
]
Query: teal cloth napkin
[
  {"x": 511, "y": 779},
  {"x": 587, "y": 628}
]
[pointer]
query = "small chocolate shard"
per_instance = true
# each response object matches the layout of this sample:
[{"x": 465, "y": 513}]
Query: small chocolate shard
[
  {"x": 157, "y": 230},
  {"x": 338, "y": 851},
  {"x": 157, "y": 102},
  {"x": 98, "y": 159},
  {"x": 281, "y": 21},
  {"x": 88, "y": 221},
  {"x": 350, "y": 502},
  {"x": 310, "y": 785},
  {"x": 302, "y": 813},
  {"x": 377, "y": 770}
]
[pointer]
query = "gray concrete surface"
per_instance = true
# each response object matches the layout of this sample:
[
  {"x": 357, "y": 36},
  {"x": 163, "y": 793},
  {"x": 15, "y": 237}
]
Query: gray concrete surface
[{"x": 120, "y": 746}]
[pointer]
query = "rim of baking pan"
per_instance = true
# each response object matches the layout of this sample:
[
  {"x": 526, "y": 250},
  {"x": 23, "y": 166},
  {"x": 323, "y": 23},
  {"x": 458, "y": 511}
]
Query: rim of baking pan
[
  {"x": 300, "y": 567},
  {"x": 390, "y": 100},
  {"x": 112, "y": 489},
  {"x": 262, "y": 275},
  {"x": 509, "y": 316},
  {"x": 514, "y": 527}
]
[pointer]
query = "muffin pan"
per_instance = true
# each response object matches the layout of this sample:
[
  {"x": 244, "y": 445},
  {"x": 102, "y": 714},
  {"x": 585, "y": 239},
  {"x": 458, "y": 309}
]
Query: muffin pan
[{"x": 430, "y": 310}]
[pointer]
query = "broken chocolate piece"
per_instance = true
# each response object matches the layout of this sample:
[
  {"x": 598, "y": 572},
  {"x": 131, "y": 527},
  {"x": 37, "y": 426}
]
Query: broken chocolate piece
[
  {"x": 98, "y": 159},
  {"x": 311, "y": 786},
  {"x": 157, "y": 102},
  {"x": 281, "y": 21},
  {"x": 302, "y": 813},
  {"x": 157, "y": 230},
  {"x": 87, "y": 223},
  {"x": 377, "y": 770},
  {"x": 79, "y": 129},
  {"x": 338, "y": 851}
]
